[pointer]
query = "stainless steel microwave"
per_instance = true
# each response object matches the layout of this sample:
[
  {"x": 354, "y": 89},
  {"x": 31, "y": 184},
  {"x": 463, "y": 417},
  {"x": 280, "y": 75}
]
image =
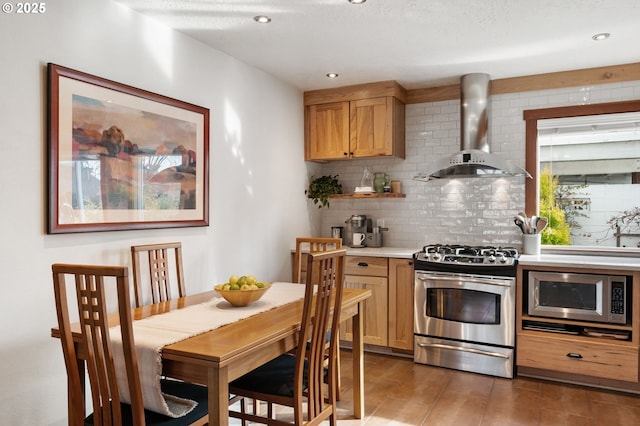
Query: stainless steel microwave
[{"x": 584, "y": 297}]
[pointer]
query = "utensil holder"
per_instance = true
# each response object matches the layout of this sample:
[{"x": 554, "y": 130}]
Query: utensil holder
[{"x": 531, "y": 243}]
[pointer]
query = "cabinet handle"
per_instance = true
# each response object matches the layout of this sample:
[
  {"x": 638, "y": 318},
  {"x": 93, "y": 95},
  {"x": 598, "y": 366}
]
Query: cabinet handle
[
  {"x": 363, "y": 264},
  {"x": 345, "y": 154},
  {"x": 574, "y": 355}
]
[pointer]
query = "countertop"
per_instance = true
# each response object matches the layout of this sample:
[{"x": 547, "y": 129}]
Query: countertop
[
  {"x": 613, "y": 262},
  {"x": 397, "y": 252},
  {"x": 582, "y": 261}
]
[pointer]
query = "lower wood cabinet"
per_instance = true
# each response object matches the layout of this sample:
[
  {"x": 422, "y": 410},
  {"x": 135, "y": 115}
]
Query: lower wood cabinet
[
  {"x": 589, "y": 358},
  {"x": 388, "y": 313},
  {"x": 590, "y": 353},
  {"x": 369, "y": 273},
  {"x": 401, "y": 280}
]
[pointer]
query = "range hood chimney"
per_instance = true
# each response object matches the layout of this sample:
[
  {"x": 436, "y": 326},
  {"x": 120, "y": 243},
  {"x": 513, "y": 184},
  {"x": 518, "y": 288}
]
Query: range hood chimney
[{"x": 474, "y": 158}]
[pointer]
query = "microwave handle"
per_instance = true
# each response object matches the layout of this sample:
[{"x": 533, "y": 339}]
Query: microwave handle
[{"x": 468, "y": 279}]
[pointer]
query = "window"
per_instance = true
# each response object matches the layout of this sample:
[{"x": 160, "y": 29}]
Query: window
[{"x": 586, "y": 173}]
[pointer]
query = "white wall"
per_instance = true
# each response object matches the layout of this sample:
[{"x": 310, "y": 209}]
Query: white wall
[
  {"x": 460, "y": 211},
  {"x": 257, "y": 182}
]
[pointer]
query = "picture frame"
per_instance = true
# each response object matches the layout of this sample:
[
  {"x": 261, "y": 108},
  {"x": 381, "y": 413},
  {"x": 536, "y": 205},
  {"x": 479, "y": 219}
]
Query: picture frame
[{"x": 123, "y": 158}]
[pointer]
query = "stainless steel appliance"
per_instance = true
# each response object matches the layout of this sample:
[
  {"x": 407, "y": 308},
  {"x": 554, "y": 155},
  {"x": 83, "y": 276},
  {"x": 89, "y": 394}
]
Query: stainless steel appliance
[
  {"x": 464, "y": 312},
  {"x": 358, "y": 225},
  {"x": 586, "y": 297},
  {"x": 474, "y": 158}
]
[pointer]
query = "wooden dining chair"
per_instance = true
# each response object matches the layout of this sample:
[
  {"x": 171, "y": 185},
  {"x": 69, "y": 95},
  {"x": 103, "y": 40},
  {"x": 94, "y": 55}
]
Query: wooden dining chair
[
  {"x": 293, "y": 380},
  {"x": 314, "y": 245},
  {"x": 311, "y": 245},
  {"x": 95, "y": 346},
  {"x": 158, "y": 261}
]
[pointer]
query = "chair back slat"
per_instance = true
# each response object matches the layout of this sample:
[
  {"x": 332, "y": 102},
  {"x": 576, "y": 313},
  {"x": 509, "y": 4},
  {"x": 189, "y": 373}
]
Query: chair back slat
[
  {"x": 159, "y": 262},
  {"x": 90, "y": 284}
]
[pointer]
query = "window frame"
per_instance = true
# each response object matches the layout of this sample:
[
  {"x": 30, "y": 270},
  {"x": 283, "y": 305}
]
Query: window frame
[{"x": 531, "y": 117}]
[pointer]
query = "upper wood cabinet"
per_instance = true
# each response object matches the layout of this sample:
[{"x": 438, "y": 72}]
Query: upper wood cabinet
[
  {"x": 355, "y": 122},
  {"x": 328, "y": 131}
]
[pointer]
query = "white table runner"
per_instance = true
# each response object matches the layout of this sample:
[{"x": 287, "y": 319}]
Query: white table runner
[{"x": 153, "y": 333}]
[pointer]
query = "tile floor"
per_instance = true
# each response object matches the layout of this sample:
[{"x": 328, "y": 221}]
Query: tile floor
[{"x": 400, "y": 392}]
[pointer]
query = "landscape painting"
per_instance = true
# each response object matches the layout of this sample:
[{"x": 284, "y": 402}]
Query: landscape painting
[{"x": 123, "y": 158}]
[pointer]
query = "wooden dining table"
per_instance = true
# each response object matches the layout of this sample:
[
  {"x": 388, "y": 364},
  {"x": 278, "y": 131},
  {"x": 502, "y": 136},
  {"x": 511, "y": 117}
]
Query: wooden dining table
[{"x": 218, "y": 356}]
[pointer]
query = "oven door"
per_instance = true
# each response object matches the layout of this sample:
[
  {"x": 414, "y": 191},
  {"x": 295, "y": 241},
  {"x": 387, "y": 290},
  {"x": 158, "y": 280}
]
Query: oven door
[{"x": 467, "y": 307}]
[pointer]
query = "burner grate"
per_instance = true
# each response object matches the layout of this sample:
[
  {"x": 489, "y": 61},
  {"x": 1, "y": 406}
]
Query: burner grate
[{"x": 465, "y": 256}]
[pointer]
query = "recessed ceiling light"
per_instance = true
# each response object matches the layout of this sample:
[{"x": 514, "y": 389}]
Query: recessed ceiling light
[
  {"x": 332, "y": 75},
  {"x": 357, "y": 1},
  {"x": 601, "y": 36},
  {"x": 262, "y": 19}
]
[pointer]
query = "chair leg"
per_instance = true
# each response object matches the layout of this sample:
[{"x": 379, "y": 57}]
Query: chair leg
[
  {"x": 337, "y": 378},
  {"x": 242, "y": 410}
]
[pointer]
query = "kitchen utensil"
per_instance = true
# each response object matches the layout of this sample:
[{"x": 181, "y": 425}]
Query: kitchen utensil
[
  {"x": 524, "y": 220},
  {"x": 519, "y": 223},
  {"x": 542, "y": 223}
]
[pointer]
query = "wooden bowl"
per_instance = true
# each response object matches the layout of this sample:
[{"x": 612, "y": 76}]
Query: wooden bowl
[{"x": 242, "y": 297}]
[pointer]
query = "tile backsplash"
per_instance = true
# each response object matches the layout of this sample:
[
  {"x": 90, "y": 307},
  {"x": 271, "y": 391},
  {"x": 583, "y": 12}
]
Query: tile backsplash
[{"x": 460, "y": 211}]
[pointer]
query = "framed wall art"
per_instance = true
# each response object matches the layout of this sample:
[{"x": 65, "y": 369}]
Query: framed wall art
[{"x": 123, "y": 158}]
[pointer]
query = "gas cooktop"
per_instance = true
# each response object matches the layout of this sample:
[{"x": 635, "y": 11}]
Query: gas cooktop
[{"x": 463, "y": 257}]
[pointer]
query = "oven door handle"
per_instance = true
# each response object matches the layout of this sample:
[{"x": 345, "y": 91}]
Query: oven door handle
[
  {"x": 461, "y": 349},
  {"x": 465, "y": 279}
]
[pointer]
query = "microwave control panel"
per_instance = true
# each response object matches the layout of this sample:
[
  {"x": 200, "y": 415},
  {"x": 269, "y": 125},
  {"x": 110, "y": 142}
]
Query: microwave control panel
[{"x": 617, "y": 297}]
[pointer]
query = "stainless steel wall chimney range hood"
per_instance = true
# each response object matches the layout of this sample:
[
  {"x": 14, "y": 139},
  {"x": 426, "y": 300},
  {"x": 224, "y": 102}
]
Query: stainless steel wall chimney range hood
[{"x": 474, "y": 158}]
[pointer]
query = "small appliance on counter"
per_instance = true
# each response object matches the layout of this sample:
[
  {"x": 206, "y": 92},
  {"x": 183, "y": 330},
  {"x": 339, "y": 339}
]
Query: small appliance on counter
[
  {"x": 374, "y": 234},
  {"x": 356, "y": 236},
  {"x": 362, "y": 233},
  {"x": 374, "y": 238}
]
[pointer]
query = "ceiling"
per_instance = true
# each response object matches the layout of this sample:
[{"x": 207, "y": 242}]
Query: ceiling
[{"x": 418, "y": 43}]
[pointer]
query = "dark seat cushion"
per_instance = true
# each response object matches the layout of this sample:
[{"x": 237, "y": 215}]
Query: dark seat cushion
[
  {"x": 172, "y": 387},
  {"x": 273, "y": 378}
]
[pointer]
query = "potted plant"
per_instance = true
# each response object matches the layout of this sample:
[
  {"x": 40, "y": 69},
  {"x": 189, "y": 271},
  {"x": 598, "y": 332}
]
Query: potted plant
[{"x": 321, "y": 188}]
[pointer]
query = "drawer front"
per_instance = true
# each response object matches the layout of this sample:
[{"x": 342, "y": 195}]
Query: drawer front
[
  {"x": 363, "y": 265},
  {"x": 595, "y": 359}
]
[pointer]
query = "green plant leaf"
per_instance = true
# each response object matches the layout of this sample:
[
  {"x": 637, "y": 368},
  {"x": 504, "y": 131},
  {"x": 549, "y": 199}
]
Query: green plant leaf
[{"x": 321, "y": 188}]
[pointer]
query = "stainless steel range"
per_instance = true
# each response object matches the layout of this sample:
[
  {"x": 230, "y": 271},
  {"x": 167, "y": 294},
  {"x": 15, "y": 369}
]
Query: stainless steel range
[{"x": 465, "y": 308}]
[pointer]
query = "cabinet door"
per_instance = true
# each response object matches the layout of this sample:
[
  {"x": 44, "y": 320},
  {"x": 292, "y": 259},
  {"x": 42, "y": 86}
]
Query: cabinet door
[
  {"x": 328, "y": 131},
  {"x": 401, "y": 281},
  {"x": 375, "y": 309},
  {"x": 371, "y": 127}
]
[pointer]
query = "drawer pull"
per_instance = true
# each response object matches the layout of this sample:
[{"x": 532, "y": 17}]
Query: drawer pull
[
  {"x": 363, "y": 264},
  {"x": 574, "y": 355}
]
